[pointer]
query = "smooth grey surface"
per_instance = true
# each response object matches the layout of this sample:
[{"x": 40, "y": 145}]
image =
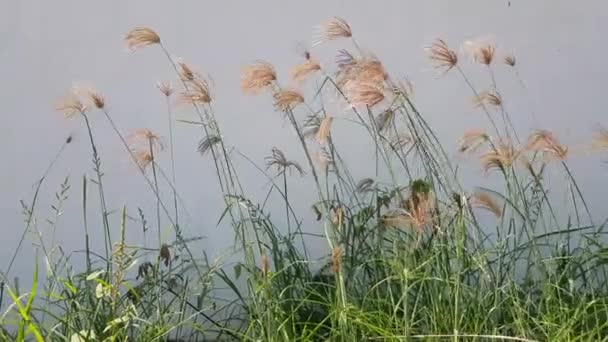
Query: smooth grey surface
[{"x": 48, "y": 45}]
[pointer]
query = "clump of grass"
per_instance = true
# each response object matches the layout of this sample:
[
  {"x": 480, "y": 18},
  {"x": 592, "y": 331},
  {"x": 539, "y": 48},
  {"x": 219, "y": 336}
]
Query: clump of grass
[{"x": 408, "y": 256}]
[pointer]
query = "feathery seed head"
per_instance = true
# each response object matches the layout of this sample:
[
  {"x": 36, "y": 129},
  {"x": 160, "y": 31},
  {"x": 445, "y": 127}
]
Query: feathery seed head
[
  {"x": 301, "y": 71},
  {"x": 334, "y": 28},
  {"x": 71, "y": 105},
  {"x": 140, "y": 37},
  {"x": 281, "y": 163},
  {"x": 502, "y": 156},
  {"x": 257, "y": 77},
  {"x": 442, "y": 56},
  {"x": 165, "y": 87},
  {"x": 487, "y": 98},
  {"x": 545, "y": 142},
  {"x": 483, "y": 199},
  {"x": 285, "y": 100},
  {"x": 480, "y": 52},
  {"x": 510, "y": 60},
  {"x": 472, "y": 140},
  {"x": 364, "y": 94},
  {"x": 324, "y": 130}
]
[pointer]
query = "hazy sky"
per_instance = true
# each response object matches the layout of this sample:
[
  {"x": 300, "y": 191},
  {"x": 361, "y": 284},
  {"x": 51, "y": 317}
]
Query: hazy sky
[{"x": 48, "y": 45}]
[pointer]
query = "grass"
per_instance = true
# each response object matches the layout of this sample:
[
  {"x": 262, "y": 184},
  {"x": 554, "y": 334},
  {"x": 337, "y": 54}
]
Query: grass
[{"x": 410, "y": 253}]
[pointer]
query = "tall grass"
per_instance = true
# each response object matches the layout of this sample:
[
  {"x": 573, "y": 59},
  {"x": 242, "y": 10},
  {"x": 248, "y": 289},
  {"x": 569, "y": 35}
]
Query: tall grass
[{"x": 411, "y": 254}]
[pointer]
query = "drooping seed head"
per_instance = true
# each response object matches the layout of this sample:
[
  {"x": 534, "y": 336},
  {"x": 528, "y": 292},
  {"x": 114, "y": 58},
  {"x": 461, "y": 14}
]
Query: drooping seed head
[
  {"x": 486, "y": 98},
  {"x": 141, "y": 37},
  {"x": 480, "y": 51},
  {"x": 502, "y": 155},
  {"x": 257, "y": 77},
  {"x": 545, "y": 142},
  {"x": 364, "y": 94},
  {"x": 165, "y": 87},
  {"x": 324, "y": 130},
  {"x": 510, "y": 60},
  {"x": 334, "y": 28},
  {"x": 285, "y": 100},
  {"x": 301, "y": 71},
  {"x": 472, "y": 140},
  {"x": 71, "y": 105},
  {"x": 484, "y": 200}
]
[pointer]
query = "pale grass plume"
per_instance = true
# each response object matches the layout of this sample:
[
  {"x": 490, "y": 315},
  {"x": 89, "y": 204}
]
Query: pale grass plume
[
  {"x": 480, "y": 51},
  {"x": 487, "y": 98},
  {"x": 484, "y": 200},
  {"x": 198, "y": 92},
  {"x": 322, "y": 159},
  {"x": 90, "y": 95},
  {"x": 165, "y": 87},
  {"x": 143, "y": 158},
  {"x": 324, "y": 130},
  {"x": 145, "y": 137},
  {"x": 334, "y": 28},
  {"x": 71, "y": 105},
  {"x": 186, "y": 72},
  {"x": 442, "y": 56},
  {"x": 365, "y": 185},
  {"x": 362, "y": 70},
  {"x": 472, "y": 140},
  {"x": 257, "y": 77},
  {"x": 279, "y": 161},
  {"x": 141, "y": 37},
  {"x": 285, "y": 100},
  {"x": 501, "y": 156},
  {"x": 364, "y": 94},
  {"x": 302, "y": 71},
  {"x": 545, "y": 142}
]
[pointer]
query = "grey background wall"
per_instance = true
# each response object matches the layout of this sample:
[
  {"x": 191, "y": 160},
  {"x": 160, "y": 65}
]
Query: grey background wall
[{"x": 48, "y": 45}]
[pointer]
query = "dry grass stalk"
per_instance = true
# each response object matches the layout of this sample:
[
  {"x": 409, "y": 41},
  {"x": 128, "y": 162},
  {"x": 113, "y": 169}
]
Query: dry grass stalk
[
  {"x": 141, "y": 37},
  {"x": 502, "y": 156},
  {"x": 324, "y": 130},
  {"x": 264, "y": 265},
  {"x": 281, "y": 163},
  {"x": 472, "y": 140},
  {"x": 165, "y": 87},
  {"x": 401, "y": 140},
  {"x": 443, "y": 57},
  {"x": 285, "y": 100},
  {"x": 336, "y": 259},
  {"x": 334, "y": 28},
  {"x": 300, "y": 72},
  {"x": 486, "y": 98},
  {"x": 545, "y": 142},
  {"x": 482, "y": 199},
  {"x": 257, "y": 77}
]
